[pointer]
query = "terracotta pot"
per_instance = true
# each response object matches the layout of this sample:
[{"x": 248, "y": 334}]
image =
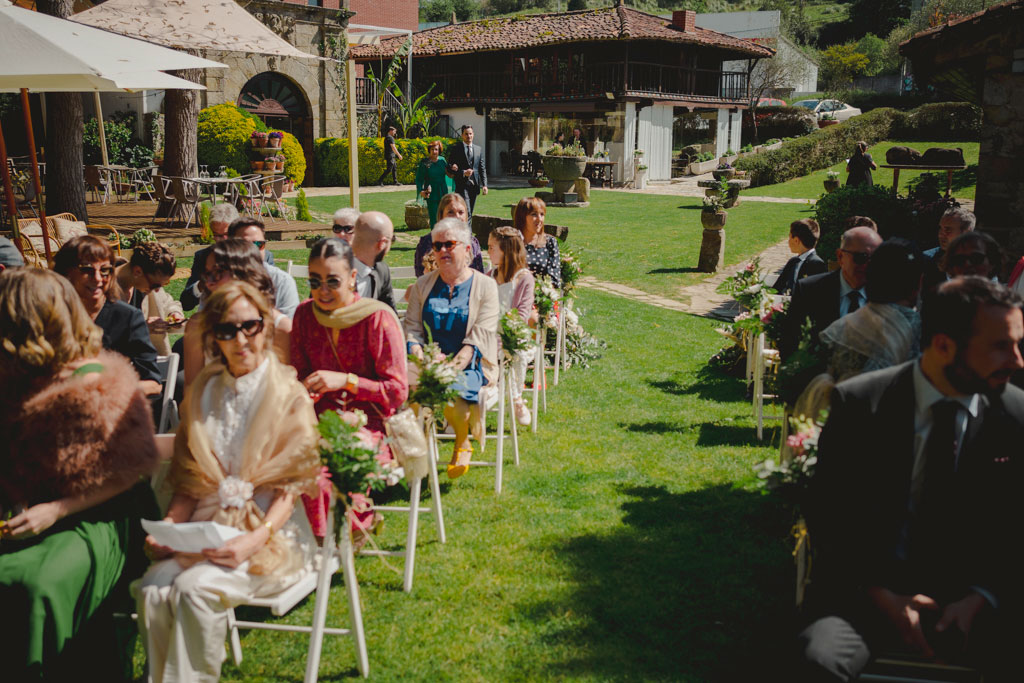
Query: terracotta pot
[
  {"x": 831, "y": 185},
  {"x": 257, "y": 165},
  {"x": 274, "y": 142},
  {"x": 280, "y": 166},
  {"x": 713, "y": 221}
]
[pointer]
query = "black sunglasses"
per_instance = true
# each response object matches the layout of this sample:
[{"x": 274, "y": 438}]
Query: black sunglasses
[
  {"x": 316, "y": 283},
  {"x": 229, "y": 331},
  {"x": 859, "y": 257},
  {"x": 101, "y": 272},
  {"x": 343, "y": 229},
  {"x": 259, "y": 243},
  {"x": 211, "y": 276},
  {"x": 974, "y": 258},
  {"x": 441, "y": 246}
]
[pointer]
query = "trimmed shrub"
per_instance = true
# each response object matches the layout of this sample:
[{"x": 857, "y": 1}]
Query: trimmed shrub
[
  {"x": 223, "y": 136},
  {"x": 332, "y": 159},
  {"x": 294, "y": 158},
  {"x": 894, "y": 215},
  {"x": 957, "y": 121},
  {"x": 820, "y": 149},
  {"x": 866, "y": 100},
  {"x": 778, "y": 122}
]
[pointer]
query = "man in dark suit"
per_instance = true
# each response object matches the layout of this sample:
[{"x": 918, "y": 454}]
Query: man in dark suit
[
  {"x": 391, "y": 153},
  {"x": 371, "y": 242},
  {"x": 954, "y": 222},
  {"x": 825, "y": 298},
  {"x": 803, "y": 236},
  {"x": 221, "y": 218},
  {"x": 467, "y": 168},
  {"x": 914, "y": 508}
]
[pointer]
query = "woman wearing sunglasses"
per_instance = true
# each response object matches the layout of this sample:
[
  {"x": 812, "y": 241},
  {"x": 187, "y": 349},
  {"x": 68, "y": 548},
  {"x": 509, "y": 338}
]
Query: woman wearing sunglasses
[
  {"x": 245, "y": 449},
  {"x": 349, "y": 351},
  {"x": 88, "y": 263},
  {"x": 452, "y": 205},
  {"x": 77, "y": 436},
  {"x": 459, "y": 309},
  {"x": 228, "y": 260}
]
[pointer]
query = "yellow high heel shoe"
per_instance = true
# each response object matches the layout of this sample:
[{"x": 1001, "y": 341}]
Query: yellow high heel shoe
[{"x": 459, "y": 467}]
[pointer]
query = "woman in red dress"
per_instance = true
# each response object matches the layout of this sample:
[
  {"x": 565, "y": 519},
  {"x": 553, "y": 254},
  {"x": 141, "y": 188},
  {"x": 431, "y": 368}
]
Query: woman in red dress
[{"x": 348, "y": 351}]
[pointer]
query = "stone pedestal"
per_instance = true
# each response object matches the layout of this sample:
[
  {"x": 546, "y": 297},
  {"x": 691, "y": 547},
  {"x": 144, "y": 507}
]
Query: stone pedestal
[
  {"x": 583, "y": 189},
  {"x": 712, "y": 251}
]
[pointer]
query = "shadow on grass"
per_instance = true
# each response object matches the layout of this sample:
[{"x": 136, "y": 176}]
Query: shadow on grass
[
  {"x": 659, "y": 271},
  {"x": 712, "y": 434},
  {"x": 657, "y": 427},
  {"x": 692, "y": 207},
  {"x": 968, "y": 177},
  {"x": 694, "y": 586},
  {"x": 712, "y": 384}
]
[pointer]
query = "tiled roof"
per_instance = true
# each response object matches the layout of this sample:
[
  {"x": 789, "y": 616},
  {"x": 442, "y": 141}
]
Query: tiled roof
[
  {"x": 610, "y": 23},
  {"x": 1005, "y": 12}
]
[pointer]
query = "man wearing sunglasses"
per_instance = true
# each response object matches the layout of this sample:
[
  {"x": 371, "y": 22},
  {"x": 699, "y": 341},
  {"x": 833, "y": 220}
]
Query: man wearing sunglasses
[
  {"x": 371, "y": 242},
  {"x": 221, "y": 218},
  {"x": 825, "y": 298},
  {"x": 955, "y": 221},
  {"x": 345, "y": 223},
  {"x": 285, "y": 290}
]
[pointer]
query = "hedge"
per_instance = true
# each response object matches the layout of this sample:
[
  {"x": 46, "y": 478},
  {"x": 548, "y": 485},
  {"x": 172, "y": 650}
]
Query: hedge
[
  {"x": 778, "y": 122},
  {"x": 332, "y": 159},
  {"x": 223, "y": 140},
  {"x": 828, "y": 146},
  {"x": 893, "y": 215}
]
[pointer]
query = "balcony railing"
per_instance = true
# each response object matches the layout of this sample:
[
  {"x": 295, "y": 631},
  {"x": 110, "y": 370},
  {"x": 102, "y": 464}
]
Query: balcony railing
[{"x": 594, "y": 81}]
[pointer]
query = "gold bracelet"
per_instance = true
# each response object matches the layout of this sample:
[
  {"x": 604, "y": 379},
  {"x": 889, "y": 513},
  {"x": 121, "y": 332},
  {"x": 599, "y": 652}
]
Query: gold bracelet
[{"x": 270, "y": 527}]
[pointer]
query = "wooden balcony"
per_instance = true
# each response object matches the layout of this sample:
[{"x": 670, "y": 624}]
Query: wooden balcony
[{"x": 595, "y": 81}]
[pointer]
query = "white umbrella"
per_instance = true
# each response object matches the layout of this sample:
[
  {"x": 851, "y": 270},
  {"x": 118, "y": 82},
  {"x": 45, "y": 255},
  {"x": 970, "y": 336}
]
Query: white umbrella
[{"x": 43, "y": 53}]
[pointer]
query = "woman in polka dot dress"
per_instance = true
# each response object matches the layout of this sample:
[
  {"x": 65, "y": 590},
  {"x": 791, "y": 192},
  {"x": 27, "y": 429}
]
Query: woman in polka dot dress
[{"x": 542, "y": 257}]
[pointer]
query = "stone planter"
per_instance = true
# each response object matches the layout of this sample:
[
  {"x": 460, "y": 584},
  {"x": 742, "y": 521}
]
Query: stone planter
[
  {"x": 712, "y": 250},
  {"x": 702, "y": 167},
  {"x": 563, "y": 171},
  {"x": 723, "y": 173},
  {"x": 274, "y": 143},
  {"x": 774, "y": 145},
  {"x": 831, "y": 185},
  {"x": 416, "y": 216},
  {"x": 713, "y": 221},
  {"x": 640, "y": 180},
  {"x": 729, "y": 160}
]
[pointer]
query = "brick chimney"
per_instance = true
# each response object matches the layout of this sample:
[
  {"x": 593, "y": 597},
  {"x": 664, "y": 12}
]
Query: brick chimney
[{"x": 685, "y": 19}]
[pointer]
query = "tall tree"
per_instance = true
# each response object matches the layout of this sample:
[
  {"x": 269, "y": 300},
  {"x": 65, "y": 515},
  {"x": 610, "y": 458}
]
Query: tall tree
[
  {"x": 181, "y": 125},
  {"x": 65, "y": 190}
]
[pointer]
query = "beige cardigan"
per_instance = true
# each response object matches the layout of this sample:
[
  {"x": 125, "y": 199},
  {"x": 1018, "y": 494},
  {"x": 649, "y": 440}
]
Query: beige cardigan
[{"x": 481, "y": 327}]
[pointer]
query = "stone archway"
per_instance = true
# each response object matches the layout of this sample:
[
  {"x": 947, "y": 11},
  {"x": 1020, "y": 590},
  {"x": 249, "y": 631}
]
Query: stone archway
[{"x": 281, "y": 104}]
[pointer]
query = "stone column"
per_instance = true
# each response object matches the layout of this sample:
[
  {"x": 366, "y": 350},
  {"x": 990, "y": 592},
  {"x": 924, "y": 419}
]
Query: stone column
[{"x": 712, "y": 250}]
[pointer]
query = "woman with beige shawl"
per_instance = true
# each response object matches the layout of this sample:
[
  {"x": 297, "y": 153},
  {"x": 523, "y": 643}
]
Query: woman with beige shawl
[
  {"x": 459, "y": 307},
  {"x": 246, "y": 448}
]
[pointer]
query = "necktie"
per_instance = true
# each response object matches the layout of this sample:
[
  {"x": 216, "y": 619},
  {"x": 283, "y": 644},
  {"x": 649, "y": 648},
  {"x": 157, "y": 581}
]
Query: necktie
[
  {"x": 469, "y": 154},
  {"x": 854, "y": 298},
  {"x": 940, "y": 453}
]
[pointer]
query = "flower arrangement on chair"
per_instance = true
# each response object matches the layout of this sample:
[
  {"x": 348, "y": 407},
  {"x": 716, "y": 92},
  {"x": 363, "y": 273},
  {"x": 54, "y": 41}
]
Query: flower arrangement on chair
[
  {"x": 545, "y": 298},
  {"x": 572, "y": 271},
  {"x": 350, "y": 454},
  {"x": 515, "y": 334},
  {"x": 434, "y": 386}
]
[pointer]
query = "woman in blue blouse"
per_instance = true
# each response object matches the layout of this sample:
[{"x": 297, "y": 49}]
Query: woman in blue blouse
[
  {"x": 459, "y": 307},
  {"x": 431, "y": 181}
]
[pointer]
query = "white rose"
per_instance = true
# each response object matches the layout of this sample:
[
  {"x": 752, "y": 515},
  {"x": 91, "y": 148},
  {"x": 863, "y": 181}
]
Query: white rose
[{"x": 234, "y": 492}]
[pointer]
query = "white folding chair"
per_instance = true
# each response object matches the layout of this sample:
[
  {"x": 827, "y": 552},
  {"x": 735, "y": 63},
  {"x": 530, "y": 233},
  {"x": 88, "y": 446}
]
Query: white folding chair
[
  {"x": 168, "y": 366},
  {"x": 503, "y": 404},
  {"x": 558, "y": 353},
  {"x": 414, "y": 510},
  {"x": 330, "y": 556},
  {"x": 762, "y": 359},
  {"x": 297, "y": 271},
  {"x": 540, "y": 375}
]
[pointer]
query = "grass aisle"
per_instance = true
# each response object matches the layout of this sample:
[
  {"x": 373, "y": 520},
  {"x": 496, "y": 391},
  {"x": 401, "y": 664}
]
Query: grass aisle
[{"x": 630, "y": 543}]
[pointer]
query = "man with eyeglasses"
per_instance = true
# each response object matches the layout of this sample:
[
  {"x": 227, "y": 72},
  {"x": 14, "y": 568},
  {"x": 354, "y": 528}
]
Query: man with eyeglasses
[
  {"x": 954, "y": 222},
  {"x": 285, "y": 290},
  {"x": 221, "y": 218},
  {"x": 371, "y": 242},
  {"x": 141, "y": 281},
  {"x": 345, "y": 223},
  {"x": 825, "y": 298}
]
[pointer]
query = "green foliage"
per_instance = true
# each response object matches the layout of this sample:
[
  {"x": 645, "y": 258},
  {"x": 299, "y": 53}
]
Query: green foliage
[
  {"x": 118, "y": 136},
  {"x": 441, "y": 10},
  {"x": 332, "y": 159},
  {"x": 892, "y": 214},
  {"x": 136, "y": 238},
  {"x": 944, "y": 121},
  {"x": 778, "y": 122},
  {"x": 223, "y": 136},
  {"x": 840, "y": 63},
  {"x": 417, "y": 117},
  {"x": 348, "y": 455},
  {"x": 302, "y": 208},
  {"x": 576, "y": 5},
  {"x": 866, "y": 100},
  {"x": 873, "y": 47},
  {"x": 294, "y": 158},
  {"x": 878, "y": 16}
]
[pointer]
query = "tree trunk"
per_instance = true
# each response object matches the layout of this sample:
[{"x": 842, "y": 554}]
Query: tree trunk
[
  {"x": 181, "y": 109},
  {"x": 65, "y": 189}
]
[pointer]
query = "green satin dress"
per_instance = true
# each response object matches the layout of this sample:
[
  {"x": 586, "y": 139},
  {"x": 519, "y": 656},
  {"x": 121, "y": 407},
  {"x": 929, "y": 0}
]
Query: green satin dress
[{"x": 434, "y": 176}]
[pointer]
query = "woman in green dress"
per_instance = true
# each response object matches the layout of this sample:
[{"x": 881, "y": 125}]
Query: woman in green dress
[
  {"x": 78, "y": 436},
  {"x": 431, "y": 181}
]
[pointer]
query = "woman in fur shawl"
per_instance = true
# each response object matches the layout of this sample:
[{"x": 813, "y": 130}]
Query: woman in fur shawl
[{"x": 77, "y": 437}]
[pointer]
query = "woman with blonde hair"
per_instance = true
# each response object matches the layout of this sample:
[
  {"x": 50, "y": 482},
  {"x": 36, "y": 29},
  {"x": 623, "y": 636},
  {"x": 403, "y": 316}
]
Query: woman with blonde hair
[
  {"x": 515, "y": 291},
  {"x": 77, "y": 437},
  {"x": 245, "y": 449},
  {"x": 452, "y": 205},
  {"x": 542, "y": 255}
]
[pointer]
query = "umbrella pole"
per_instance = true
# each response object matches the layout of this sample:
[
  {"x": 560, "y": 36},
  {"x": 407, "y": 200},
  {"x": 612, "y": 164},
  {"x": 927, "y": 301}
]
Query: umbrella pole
[
  {"x": 12, "y": 210},
  {"x": 103, "y": 132},
  {"x": 353, "y": 133},
  {"x": 44, "y": 229}
]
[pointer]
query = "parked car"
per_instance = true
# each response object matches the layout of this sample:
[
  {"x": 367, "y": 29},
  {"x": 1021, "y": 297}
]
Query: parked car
[
  {"x": 840, "y": 111},
  {"x": 770, "y": 102}
]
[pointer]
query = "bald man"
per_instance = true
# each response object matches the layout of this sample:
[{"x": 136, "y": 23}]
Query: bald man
[
  {"x": 371, "y": 241},
  {"x": 825, "y": 298}
]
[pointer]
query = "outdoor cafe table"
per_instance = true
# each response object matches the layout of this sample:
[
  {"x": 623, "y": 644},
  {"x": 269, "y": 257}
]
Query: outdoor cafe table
[
  {"x": 213, "y": 183},
  {"x": 600, "y": 170}
]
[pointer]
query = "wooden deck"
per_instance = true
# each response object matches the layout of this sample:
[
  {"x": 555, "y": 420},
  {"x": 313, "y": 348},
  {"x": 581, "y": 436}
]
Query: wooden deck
[{"x": 127, "y": 217}]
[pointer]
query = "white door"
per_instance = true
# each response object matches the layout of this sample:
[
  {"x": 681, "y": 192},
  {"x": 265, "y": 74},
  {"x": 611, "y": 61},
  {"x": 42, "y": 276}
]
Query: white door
[{"x": 655, "y": 136}]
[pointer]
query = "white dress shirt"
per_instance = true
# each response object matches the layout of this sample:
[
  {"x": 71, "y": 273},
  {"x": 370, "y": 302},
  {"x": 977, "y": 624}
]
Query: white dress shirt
[
  {"x": 844, "y": 296},
  {"x": 363, "y": 283}
]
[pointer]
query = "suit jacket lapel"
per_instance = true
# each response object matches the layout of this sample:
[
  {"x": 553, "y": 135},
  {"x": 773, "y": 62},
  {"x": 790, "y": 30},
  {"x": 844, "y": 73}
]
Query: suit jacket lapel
[{"x": 897, "y": 406}]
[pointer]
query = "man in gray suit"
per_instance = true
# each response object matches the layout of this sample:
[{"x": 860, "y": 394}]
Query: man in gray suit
[{"x": 466, "y": 166}]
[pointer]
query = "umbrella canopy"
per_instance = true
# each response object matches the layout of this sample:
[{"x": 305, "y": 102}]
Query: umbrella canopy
[
  {"x": 44, "y": 53},
  {"x": 190, "y": 24}
]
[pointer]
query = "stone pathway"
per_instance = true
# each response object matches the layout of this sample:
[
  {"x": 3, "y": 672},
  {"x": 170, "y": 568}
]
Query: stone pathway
[{"x": 700, "y": 299}]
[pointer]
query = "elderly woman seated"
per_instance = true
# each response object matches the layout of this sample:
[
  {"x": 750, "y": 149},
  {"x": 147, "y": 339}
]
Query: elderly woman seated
[
  {"x": 77, "y": 436},
  {"x": 458, "y": 307},
  {"x": 246, "y": 448}
]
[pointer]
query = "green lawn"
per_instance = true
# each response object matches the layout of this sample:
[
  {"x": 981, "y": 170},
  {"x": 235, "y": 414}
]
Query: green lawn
[
  {"x": 650, "y": 242},
  {"x": 630, "y": 544},
  {"x": 810, "y": 186}
]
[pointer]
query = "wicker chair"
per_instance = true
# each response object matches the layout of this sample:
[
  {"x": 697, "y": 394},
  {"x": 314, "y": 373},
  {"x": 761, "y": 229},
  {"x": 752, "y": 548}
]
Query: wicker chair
[{"x": 99, "y": 229}]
